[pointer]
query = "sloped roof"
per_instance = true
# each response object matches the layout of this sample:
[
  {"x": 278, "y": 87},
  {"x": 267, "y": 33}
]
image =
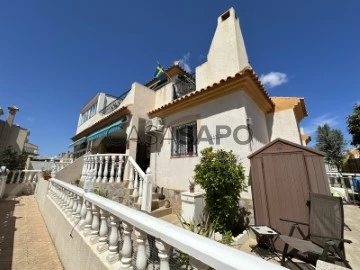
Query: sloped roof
[
  {"x": 295, "y": 103},
  {"x": 240, "y": 77},
  {"x": 308, "y": 149}
]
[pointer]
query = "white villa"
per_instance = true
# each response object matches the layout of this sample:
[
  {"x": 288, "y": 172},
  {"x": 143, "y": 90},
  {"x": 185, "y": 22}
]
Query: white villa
[{"x": 168, "y": 121}]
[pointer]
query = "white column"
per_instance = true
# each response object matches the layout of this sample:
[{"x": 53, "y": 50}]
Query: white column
[
  {"x": 84, "y": 169},
  {"x": 131, "y": 176},
  {"x": 13, "y": 177},
  {"x": 83, "y": 212},
  {"x": 163, "y": 249},
  {"x": 101, "y": 158},
  {"x": 147, "y": 192},
  {"x": 96, "y": 166},
  {"x": 141, "y": 258},
  {"x": 141, "y": 182},
  {"x": 113, "y": 255},
  {"x": 74, "y": 208},
  {"x": 18, "y": 177},
  {"x": 88, "y": 219},
  {"x": 126, "y": 251},
  {"x": 106, "y": 165},
  {"x": 95, "y": 225},
  {"x": 119, "y": 170},
  {"x": 136, "y": 186},
  {"x": 112, "y": 170},
  {"x": 78, "y": 210},
  {"x": 103, "y": 233}
]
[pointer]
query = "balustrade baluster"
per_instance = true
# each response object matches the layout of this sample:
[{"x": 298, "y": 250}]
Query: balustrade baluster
[
  {"x": 113, "y": 255},
  {"x": 141, "y": 258},
  {"x": 69, "y": 207},
  {"x": 88, "y": 219},
  {"x": 83, "y": 212},
  {"x": 112, "y": 170},
  {"x": 119, "y": 170},
  {"x": 100, "y": 169},
  {"x": 126, "y": 251},
  {"x": 66, "y": 200},
  {"x": 84, "y": 169},
  {"x": 163, "y": 250},
  {"x": 95, "y": 225},
  {"x": 106, "y": 171},
  {"x": 141, "y": 182},
  {"x": 18, "y": 177},
  {"x": 75, "y": 204},
  {"x": 78, "y": 210},
  {"x": 136, "y": 186},
  {"x": 13, "y": 177},
  {"x": 131, "y": 176},
  {"x": 103, "y": 232},
  {"x": 96, "y": 160}
]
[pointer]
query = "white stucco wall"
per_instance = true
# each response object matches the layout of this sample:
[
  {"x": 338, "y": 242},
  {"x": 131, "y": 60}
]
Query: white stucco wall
[
  {"x": 227, "y": 54},
  {"x": 283, "y": 124},
  {"x": 230, "y": 110},
  {"x": 163, "y": 95}
]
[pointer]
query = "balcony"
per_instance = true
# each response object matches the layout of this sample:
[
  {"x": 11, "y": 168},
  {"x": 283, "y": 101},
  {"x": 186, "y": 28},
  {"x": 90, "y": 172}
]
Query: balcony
[
  {"x": 112, "y": 106},
  {"x": 30, "y": 149},
  {"x": 184, "y": 85}
]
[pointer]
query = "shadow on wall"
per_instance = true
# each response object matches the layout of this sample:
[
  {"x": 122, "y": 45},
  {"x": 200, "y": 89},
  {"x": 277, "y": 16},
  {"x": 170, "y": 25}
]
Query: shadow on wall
[{"x": 7, "y": 231}]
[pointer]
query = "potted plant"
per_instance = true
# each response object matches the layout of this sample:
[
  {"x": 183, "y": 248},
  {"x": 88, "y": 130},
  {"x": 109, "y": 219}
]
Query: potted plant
[{"x": 46, "y": 174}]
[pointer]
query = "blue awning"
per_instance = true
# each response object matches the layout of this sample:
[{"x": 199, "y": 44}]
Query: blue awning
[
  {"x": 105, "y": 131},
  {"x": 79, "y": 141}
]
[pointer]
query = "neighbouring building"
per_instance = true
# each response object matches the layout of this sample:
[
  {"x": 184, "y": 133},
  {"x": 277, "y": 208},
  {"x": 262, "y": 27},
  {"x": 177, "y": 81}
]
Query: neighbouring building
[
  {"x": 166, "y": 122},
  {"x": 14, "y": 135}
]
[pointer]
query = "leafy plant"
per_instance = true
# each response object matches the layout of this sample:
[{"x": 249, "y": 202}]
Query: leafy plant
[
  {"x": 11, "y": 159},
  {"x": 332, "y": 142},
  {"x": 222, "y": 178},
  {"x": 353, "y": 126},
  {"x": 101, "y": 192}
]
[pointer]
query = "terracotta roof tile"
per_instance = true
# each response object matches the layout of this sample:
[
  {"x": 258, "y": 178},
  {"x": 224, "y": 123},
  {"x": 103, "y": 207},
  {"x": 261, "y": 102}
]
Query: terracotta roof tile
[{"x": 246, "y": 71}]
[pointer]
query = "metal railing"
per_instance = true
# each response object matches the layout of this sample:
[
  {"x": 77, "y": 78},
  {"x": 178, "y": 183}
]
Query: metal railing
[
  {"x": 114, "y": 104},
  {"x": 184, "y": 85},
  {"x": 139, "y": 241}
]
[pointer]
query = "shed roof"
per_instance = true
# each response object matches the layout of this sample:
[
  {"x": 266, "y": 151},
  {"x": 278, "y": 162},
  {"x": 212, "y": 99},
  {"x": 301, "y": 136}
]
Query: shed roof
[{"x": 308, "y": 149}]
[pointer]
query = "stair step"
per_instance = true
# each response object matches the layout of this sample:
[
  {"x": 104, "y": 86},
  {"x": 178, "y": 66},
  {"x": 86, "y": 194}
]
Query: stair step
[
  {"x": 162, "y": 211},
  {"x": 155, "y": 204}
]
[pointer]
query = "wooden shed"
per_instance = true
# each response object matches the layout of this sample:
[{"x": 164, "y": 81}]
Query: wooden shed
[{"x": 282, "y": 175}]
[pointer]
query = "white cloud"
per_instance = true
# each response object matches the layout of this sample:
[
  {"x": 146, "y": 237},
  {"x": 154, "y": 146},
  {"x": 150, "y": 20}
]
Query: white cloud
[
  {"x": 273, "y": 79},
  {"x": 320, "y": 121},
  {"x": 184, "y": 62}
]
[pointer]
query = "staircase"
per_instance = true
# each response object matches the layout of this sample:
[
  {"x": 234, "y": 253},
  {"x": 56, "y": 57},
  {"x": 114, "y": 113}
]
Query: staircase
[{"x": 120, "y": 178}]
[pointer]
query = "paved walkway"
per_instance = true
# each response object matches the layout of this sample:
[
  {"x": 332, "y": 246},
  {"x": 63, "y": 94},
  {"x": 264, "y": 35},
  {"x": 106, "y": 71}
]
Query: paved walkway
[{"x": 24, "y": 240}]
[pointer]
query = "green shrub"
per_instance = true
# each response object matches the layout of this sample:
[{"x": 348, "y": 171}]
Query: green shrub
[{"x": 222, "y": 178}]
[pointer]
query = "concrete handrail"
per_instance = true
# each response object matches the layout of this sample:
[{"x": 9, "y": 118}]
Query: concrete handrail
[
  {"x": 212, "y": 253},
  {"x": 69, "y": 187}
]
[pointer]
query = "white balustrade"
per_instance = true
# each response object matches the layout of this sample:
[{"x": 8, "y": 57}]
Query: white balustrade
[
  {"x": 141, "y": 226},
  {"x": 28, "y": 176},
  {"x": 113, "y": 240}
]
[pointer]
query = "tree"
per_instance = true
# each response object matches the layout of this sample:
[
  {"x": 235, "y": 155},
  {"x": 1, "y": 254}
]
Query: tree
[
  {"x": 222, "y": 178},
  {"x": 11, "y": 159},
  {"x": 332, "y": 142},
  {"x": 353, "y": 126}
]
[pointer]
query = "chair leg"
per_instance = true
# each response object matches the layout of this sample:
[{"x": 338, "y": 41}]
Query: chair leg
[
  {"x": 284, "y": 254},
  {"x": 342, "y": 257}
]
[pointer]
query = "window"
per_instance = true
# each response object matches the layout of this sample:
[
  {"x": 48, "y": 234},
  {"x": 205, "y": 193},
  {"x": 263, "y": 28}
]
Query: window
[
  {"x": 184, "y": 141},
  {"x": 87, "y": 115}
]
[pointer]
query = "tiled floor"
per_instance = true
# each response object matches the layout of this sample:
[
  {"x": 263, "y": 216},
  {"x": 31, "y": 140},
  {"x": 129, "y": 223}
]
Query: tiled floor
[{"x": 24, "y": 240}]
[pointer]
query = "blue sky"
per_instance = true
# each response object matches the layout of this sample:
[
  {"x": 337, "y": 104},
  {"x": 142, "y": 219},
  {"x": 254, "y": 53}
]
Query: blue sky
[{"x": 55, "y": 55}]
